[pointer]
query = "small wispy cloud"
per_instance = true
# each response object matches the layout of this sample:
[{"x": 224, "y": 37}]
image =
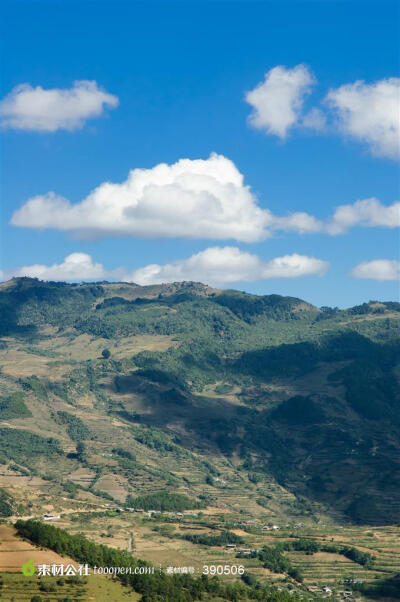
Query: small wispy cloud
[
  {"x": 278, "y": 101},
  {"x": 369, "y": 113},
  {"x": 226, "y": 265},
  {"x": 41, "y": 110},
  {"x": 76, "y": 266},
  {"x": 378, "y": 269}
]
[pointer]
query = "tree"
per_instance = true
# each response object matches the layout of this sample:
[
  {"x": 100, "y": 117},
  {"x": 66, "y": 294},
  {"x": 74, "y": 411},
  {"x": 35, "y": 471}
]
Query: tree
[
  {"x": 106, "y": 353},
  {"x": 80, "y": 450}
]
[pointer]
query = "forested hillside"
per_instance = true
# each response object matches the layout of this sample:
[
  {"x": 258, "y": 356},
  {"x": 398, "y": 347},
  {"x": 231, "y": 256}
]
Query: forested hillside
[{"x": 188, "y": 389}]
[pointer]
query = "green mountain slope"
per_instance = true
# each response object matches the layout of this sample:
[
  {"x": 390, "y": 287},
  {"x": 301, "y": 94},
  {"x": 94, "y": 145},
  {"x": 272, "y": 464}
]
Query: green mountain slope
[{"x": 267, "y": 404}]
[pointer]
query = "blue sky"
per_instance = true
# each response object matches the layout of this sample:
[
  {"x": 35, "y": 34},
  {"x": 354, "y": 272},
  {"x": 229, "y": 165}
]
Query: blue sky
[{"x": 180, "y": 72}]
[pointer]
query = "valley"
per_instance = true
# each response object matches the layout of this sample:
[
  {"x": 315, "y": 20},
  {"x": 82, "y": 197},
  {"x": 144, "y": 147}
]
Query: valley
[{"x": 257, "y": 412}]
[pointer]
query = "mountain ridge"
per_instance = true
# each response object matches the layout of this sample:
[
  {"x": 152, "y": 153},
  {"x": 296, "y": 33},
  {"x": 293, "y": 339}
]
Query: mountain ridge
[{"x": 19, "y": 283}]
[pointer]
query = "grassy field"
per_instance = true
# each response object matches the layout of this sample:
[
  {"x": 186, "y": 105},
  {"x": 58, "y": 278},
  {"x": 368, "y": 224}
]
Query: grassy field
[{"x": 16, "y": 588}]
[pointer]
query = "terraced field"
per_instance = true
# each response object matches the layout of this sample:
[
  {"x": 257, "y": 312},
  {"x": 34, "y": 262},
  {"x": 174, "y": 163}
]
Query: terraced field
[
  {"x": 319, "y": 569},
  {"x": 331, "y": 569}
]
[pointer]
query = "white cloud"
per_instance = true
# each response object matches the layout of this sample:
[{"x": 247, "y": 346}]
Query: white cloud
[
  {"x": 370, "y": 113},
  {"x": 215, "y": 265},
  {"x": 28, "y": 108},
  {"x": 277, "y": 101},
  {"x": 75, "y": 267},
  {"x": 379, "y": 269},
  {"x": 300, "y": 222},
  {"x": 225, "y": 265},
  {"x": 189, "y": 199},
  {"x": 314, "y": 120},
  {"x": 366, "y": 212}
]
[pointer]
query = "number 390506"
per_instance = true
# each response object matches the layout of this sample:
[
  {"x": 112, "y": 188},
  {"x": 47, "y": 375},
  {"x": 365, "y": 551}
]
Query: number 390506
[{"x": 223, "y": 569}]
